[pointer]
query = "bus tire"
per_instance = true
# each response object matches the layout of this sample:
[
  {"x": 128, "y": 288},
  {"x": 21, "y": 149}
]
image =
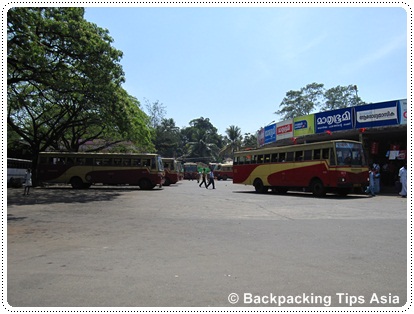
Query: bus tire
[
  {"x": 317, "y": 188},
  {"x": 145, "y": 184},
  {"x": 76, "y": 183},
  {"x": 259, "y": 187}
]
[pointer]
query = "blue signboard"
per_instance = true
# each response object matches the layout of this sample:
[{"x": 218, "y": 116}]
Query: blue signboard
[
  {"x": 270, "y": 134},
  {"x": 334, "y": 120},
  {"x": 379, "y": 114}
]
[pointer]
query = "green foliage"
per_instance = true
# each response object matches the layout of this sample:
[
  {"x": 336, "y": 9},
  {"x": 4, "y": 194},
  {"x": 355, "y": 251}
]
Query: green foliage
[
  {"x": 64, "y": 82},
  {"x": 314, "y": 96},
  {"x": 341, "y": 97},
  {"x": 302, "y": 102},
  {"x": 233, "y": 142},
  {"x": 201, "y": 140}
]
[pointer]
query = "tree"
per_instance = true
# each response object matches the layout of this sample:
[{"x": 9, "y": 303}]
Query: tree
[
  {"x": 64, "y": 81},
  {"x": 167, "y": 139},
  {"x": 201, "y": 140},
  {"x": 156, "y": 112},
  {"x": 249, "y": 141},
  {"x": 341, "y": 97},
  {"x": 302, "y": 102},
  {"x": 234, "y": 139}
]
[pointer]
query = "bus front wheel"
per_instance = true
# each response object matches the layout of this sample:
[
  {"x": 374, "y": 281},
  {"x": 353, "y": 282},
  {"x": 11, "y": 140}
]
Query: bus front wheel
[
  {"x": 317, "y": 188},
  {"x": 259, "y": 187},
  {"x": 77, "y": 183},
  {"x": 145, "y": 184}
]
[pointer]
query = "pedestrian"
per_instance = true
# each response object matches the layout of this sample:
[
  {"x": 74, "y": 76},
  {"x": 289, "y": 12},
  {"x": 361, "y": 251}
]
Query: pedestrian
[
  {"x": 403, "y": 179},
  {"x": 27, "y": 182},
  {"x": 377, "y": 176},
  {"x": 211, "y": 179},
  {"x": 371, "y": 188},
  {"x": 204, "y": 177}
]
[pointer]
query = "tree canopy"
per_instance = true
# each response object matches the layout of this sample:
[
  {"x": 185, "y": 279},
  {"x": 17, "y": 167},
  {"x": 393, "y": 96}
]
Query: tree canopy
[
  {"x": 314, "y": 96},
  {"x": 64, "y": 82}
]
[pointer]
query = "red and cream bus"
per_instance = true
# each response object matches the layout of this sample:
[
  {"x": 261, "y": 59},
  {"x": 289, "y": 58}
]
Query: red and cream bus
[
  {"x": 190, "y": 170},
  {"x": 338, "y": 166},
  {"x": 81, "y": 170},
  {"x": 171, "y": 170},
  {"x": 223, "y": 171}
]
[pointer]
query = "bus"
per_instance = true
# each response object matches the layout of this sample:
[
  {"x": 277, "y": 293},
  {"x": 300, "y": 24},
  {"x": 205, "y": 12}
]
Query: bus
[
  {"x": 223, "y": 171},
  {"x": 81, "y": 170},
  {"x": 190, "y": 170},
  {"x": 171, "y": 169},
  {"x": 338, "y": 166},
  {"x": 16, "y": 171}
]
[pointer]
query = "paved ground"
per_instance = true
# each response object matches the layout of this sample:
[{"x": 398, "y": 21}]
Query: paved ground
[{"x": 191, "y": 247}]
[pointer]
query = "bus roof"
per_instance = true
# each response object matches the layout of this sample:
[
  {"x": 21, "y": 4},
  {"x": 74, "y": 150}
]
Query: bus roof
[
  {"x": 292, "y": 147},
  {"x": 97, "y": 154}
]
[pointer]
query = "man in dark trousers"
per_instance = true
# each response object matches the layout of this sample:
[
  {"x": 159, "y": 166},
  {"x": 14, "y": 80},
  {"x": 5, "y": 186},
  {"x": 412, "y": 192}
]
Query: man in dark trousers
[
  {"x": 204, "y": 176},
  {"x": 211, "y": 179}
]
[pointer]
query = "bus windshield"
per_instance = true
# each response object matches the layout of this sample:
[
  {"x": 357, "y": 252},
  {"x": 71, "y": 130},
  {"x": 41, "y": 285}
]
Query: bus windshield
[{"x": 350, "y": 154}]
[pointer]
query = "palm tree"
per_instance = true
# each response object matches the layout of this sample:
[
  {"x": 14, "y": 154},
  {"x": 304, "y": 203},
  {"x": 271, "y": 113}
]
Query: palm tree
[
  {"x": 201, "y": 146},
  {"x": 234, "y": 139}
]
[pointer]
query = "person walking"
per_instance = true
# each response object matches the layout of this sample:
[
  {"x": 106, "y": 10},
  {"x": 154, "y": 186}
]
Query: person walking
[
  {"x": 403, "y": 179},
  {"x": 27, "y": 182},
  {"x": 377, "y": 176},
  {"x": 371, "y": 188},
  {"x": 211, "y": 179},
  {"x": 203, "y": 178}
]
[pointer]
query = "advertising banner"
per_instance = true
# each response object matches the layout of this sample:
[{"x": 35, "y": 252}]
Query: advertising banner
[
  {"x": 379, "y": 114},
  {"x": 270, "y": 133},
  {"x": 304, "y": 125},
  {"x": 284, "y": 129},
  {"x": 334, "y": 120},
  {"x": 260, "y": 137},
  {"x": 403, "y": 111}
]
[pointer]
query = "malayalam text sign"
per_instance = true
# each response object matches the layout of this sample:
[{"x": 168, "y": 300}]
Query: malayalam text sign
[
  {"x": 304, "y": 125},
  {"x": 284, "y": 129},
  {"x": 334, "y": 120},
  {"x": 270, "y": 133},
  {"x": 379, "y": 114}
]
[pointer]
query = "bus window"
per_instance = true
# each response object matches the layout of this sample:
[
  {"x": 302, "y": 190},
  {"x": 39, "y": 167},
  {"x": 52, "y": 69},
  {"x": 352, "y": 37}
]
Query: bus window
[
  {"x": 127, "y": 161},
  {"x": 267, "y": 158},
  {"x": 274, "y": 157},
  {"x": 98, "y": 162},
  {"x": 146, "y": 162},
  {"x": 260, "y": 159},
  {"x": 289, "y": 156},
  {"x": 325, "y": 153},
  {"x": 317, "y": 154},
  {"x": 89, "y": 161},
  {"x": 136, "y": 162},
  {"x": 70, "y": 161},
  {"x": 282, "y": 157},
  {"x": 299, "y": 156},
  {"x": 106, "y": 161},
  {"x": 253, "y": 160},
  {"x": 79, "y": 161},
  {"x": 117, "y": 161},
  {"x": 307, "y": 155}
]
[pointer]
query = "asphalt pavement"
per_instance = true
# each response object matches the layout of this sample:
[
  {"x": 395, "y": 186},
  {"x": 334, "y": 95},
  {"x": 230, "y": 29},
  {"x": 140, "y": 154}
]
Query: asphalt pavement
[{"x": 186, "y": 246}]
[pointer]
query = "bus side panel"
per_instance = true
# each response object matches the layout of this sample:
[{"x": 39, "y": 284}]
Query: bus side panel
[
  {"x": 297, "y": 174},
  {"x": 53, "y": 173},
  {"x": 242, "y": 174},
  {"x": 172, "y": 176},
  {"x": 129, "y": 176}
]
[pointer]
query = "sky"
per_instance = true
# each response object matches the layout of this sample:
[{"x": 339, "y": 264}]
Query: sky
[{"x": 234, "y": 65}]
